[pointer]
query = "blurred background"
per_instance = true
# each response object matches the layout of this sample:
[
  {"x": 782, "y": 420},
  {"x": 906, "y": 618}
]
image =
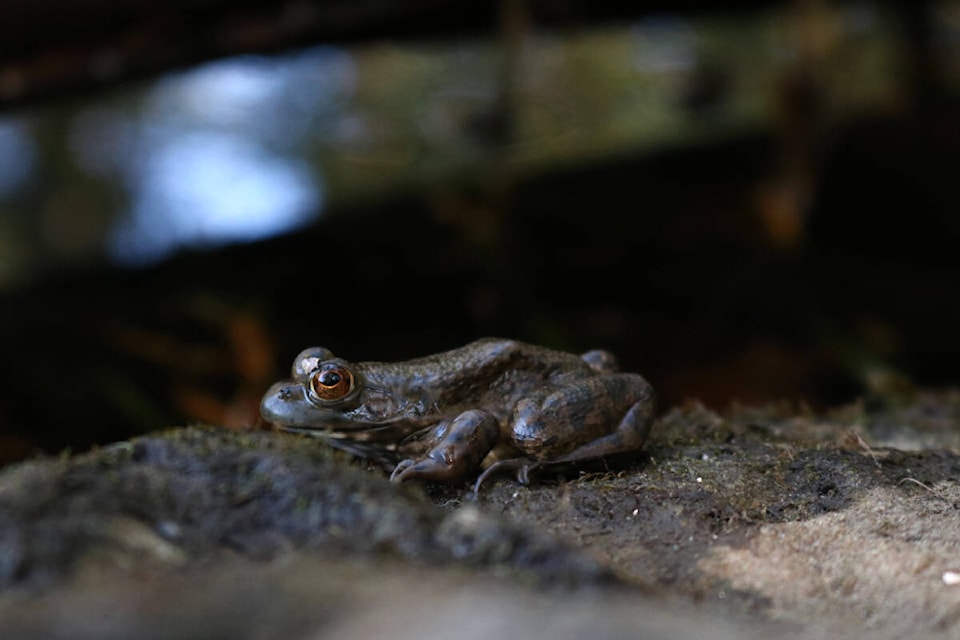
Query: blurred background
[{"x": 746, "y": 206}]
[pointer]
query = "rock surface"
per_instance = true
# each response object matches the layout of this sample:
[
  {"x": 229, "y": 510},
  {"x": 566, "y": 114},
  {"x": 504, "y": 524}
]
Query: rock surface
[{"x": 754, "y": 523}]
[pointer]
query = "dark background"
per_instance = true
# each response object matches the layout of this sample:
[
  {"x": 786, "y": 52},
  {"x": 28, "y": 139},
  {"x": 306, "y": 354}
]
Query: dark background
[{"x": 811, "y": 260}]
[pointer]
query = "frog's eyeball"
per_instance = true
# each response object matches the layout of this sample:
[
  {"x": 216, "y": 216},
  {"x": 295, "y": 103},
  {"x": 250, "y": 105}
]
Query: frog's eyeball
[{"x": 331, "y": 382}]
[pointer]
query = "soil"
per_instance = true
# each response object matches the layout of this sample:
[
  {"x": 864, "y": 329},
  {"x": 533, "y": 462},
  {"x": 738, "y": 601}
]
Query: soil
[{"x": 755, "y": 522}]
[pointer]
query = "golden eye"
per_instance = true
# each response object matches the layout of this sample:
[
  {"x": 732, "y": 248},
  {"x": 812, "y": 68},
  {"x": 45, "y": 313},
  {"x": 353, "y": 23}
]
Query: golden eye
[{"x": 331, "y": 382}]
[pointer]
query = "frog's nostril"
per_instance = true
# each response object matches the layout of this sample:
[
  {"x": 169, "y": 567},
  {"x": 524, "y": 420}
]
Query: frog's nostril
[{"x": 285, "y": 393}]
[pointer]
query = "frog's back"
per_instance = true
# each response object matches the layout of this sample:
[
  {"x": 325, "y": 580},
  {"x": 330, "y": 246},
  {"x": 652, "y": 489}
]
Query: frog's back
[
  {"x": 491, "y": 373},
  {"x": 490, "y": 357}
]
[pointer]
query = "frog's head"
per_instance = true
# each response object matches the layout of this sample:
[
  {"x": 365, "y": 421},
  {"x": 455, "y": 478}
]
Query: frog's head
[{"x": 328, "y": 395}]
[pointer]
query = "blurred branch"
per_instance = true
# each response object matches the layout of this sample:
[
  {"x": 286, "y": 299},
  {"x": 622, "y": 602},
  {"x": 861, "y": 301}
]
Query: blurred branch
[
  {"x": 50, "y": 48},
  {"x": 92, "y": 44}
]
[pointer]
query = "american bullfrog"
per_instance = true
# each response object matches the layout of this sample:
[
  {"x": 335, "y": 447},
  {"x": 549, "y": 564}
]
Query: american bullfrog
[{"x": 492, "y": 404}]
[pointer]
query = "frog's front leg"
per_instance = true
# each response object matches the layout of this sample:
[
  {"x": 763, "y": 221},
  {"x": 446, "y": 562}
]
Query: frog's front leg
[{"x": 461, "y": 447}]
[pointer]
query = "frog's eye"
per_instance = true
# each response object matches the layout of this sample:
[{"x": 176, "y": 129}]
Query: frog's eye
[{"x": 331, "y": 382}]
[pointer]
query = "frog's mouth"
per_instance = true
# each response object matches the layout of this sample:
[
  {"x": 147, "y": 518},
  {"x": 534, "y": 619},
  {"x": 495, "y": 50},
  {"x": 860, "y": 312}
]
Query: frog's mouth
[
  {"x": 286, "y": 405},
  {"x": 377, "y": 443}
]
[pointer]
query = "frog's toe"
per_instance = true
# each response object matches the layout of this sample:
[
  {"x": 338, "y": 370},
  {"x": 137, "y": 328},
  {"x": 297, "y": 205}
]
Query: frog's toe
[
  {"x": 520, "y": 467},
  {"x": 397, "y": 475},
  {"x": 443, "y": 469}
]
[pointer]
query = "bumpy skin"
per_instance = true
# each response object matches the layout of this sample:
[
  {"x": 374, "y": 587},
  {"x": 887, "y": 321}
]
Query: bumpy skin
[{"x": 497, "y": 402}]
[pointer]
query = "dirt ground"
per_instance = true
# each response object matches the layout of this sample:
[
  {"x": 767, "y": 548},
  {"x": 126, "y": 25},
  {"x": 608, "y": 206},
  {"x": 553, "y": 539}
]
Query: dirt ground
[{"x": 747, "y": 524}]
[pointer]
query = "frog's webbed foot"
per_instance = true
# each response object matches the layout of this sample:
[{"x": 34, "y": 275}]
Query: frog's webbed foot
[
  {"x": 468, "y": 439},
  {"x": 521, "y": 467}
]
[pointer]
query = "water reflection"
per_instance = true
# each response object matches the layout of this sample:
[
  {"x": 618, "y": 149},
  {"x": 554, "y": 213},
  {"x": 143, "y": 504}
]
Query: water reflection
[
  {"x": 206, "y": 189},
  {"x": 17, "y": 156},
  {"x": 215, "y": 155},
  {"x": 223, "y": 146},
  {"x": 664, "y": 44}
]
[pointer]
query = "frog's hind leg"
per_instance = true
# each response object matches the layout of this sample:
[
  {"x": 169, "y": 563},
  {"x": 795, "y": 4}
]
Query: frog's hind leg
[
  {"x": 630, "y": 435},
  {"x": 591, "y": 418},
  {"x": 458, "y": 454},
  {"x": 601, "y": 361}
]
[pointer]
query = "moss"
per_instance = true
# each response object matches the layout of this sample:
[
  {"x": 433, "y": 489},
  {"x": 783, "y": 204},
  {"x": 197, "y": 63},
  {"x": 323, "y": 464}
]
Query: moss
[{"x": 208, "y": 490}]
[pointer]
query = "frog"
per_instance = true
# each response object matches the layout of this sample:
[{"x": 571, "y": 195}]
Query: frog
[{"x": 490, "y": 406}]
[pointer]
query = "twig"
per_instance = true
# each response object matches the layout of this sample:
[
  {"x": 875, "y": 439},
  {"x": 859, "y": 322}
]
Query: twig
[
  {"x": 863, "y": 445},
  {"x": 917, "y": 482}
]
